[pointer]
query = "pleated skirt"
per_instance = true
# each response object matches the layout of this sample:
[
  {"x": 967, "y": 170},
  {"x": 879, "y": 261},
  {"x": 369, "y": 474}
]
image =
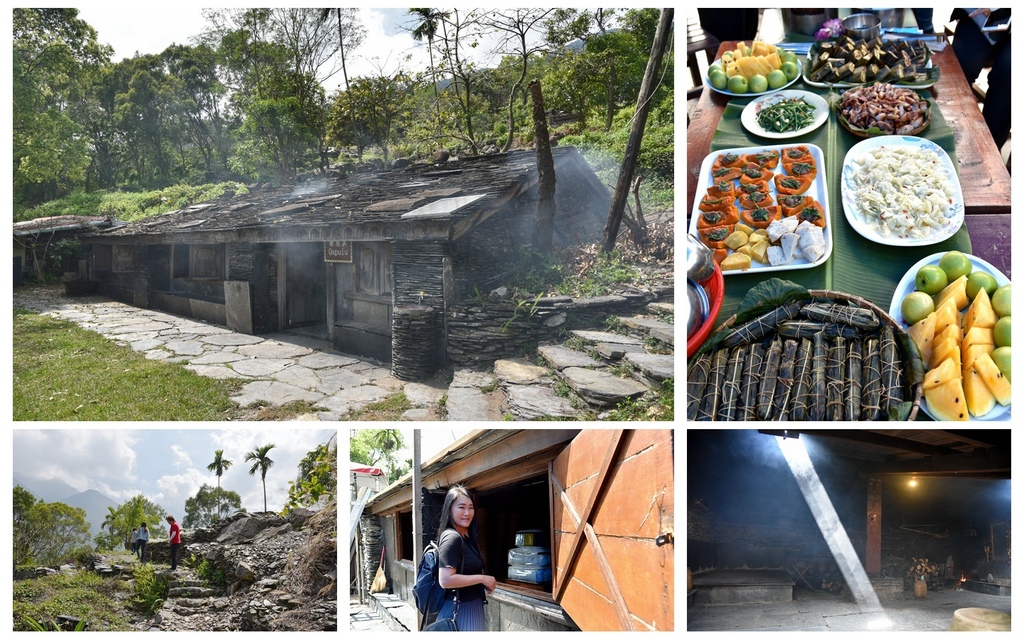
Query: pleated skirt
[{"x": 470, "y": 616}]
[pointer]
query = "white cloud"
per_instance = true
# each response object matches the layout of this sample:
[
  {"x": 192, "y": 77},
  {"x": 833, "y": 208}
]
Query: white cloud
[{"x": 83, "y": 458}]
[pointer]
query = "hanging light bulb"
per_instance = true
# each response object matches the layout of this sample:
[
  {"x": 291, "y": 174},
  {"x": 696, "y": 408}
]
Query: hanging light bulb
[{"x": 913, "y": 481}]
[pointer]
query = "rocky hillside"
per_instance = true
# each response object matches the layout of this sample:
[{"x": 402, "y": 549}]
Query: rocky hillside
[{"x": 250, "y": 572}]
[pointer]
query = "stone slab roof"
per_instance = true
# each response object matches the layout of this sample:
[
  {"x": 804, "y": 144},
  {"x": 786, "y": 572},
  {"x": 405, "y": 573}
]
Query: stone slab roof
[
  {"x": 52, "y": 224},
  {"x": 434, "y": 196}
]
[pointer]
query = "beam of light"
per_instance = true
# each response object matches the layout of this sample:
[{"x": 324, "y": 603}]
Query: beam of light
[{"x": 832, "y": 530}]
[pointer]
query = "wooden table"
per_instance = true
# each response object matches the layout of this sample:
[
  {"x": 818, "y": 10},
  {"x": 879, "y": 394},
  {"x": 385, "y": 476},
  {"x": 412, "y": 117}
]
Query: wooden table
[{"x": 983, "y": 175}]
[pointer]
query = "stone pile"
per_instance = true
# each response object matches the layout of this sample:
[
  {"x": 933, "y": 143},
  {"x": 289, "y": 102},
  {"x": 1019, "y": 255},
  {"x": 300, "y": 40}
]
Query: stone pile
[
  {"x": 414, "y": 342},
  {"x": 254, "y": 553}
]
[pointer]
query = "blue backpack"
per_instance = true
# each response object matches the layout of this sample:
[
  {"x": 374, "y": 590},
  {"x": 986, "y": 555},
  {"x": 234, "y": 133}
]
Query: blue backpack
[{"x": 427, "y": 592}]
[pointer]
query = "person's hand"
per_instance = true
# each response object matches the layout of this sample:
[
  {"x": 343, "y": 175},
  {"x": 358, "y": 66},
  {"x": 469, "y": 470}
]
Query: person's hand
[
  {"x": 489, "y": 583},
  {"x": 978, "y": 12}
]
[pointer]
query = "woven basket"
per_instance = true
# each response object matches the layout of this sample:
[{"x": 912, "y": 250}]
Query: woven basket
[{"x": 916, "y": 391}]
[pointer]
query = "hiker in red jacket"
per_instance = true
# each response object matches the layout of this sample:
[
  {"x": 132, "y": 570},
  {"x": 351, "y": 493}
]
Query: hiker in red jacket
[{"x": 175, "y": 541}]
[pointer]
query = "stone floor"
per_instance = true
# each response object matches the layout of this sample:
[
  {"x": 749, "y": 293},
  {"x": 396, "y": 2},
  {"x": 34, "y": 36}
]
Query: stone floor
[{"x": 820, "y": 611}]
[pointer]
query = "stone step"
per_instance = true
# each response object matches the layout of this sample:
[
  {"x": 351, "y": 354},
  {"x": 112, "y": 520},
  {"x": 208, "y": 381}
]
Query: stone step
[
  {"x": 601, "y": 388},
  {"x": 596, "y": 337},
  {"x": 190, "y": 592},
  {"x": 651, "y": 326},
  {"x": 652, "y": 368},
  {"x": 665, "y": 308},
  {"x": 559, "y": 357},
  {"x": 472, "y": 397},
  {"x": 536, "y": 401}
]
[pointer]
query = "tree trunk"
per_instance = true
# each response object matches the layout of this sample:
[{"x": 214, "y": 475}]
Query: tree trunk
[
  {"x": 545, "y": 227},
  {"x": 636, "y": 133}
]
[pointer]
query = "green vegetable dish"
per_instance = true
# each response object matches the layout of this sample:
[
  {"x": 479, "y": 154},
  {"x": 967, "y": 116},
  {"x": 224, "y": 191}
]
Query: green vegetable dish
[{"x": 786, "y": 115}]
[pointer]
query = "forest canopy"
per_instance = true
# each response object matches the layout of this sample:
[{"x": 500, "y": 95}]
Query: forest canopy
[{"x": 246, "y": 102}]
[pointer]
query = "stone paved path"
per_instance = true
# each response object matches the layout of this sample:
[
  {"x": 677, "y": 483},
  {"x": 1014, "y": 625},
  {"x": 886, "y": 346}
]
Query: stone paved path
[{"x": 277, "y": 368}]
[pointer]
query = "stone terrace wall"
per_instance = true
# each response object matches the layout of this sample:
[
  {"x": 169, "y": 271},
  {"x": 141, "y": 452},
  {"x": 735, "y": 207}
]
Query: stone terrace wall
[{"x": 477, "y": 335}]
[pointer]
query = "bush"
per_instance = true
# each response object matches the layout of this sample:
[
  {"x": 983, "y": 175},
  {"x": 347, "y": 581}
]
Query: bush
[{"x": 149, "y": 592}]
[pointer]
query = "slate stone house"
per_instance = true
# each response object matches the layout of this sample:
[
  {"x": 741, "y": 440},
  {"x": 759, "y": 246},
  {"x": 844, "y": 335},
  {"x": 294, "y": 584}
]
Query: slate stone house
[
  {"x": 336, "y": 256},
  {"x": 601, "y": 500}
]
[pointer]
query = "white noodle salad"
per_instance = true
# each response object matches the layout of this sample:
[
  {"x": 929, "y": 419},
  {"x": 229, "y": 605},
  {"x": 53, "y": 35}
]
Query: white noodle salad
[{"x": 902, "y": 192}]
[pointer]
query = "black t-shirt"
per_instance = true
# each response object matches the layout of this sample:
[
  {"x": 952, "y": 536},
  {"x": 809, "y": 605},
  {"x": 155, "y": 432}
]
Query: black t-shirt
[{"x": 455, "y": 551}]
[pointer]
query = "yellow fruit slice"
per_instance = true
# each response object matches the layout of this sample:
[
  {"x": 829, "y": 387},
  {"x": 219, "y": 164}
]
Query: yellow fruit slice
[
  {"x": 994, "y": 378},
  {"x": 969, "y": 354},
  {"x": 946, "y": 313},
  {"x": 980, "y": 313},
  {"x": 979, "y": 399},
  {"x": 922, "y": 333},
  {"x": 946, "y": 402},
  {"x": 940, "y": 375},
  {"x": 957, "y": 290}
]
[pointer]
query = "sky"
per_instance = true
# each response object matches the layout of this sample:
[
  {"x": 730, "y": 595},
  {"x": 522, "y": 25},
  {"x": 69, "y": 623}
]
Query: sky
[
  {"x": 167, "y": 466},
  {"x": 432, "y": 439},
  {"x": 385, "y": 48}
]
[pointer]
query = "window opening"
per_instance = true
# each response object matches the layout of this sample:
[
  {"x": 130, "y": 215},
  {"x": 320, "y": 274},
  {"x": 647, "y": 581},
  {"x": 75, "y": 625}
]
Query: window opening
[
  {"x": 506, "y": 511},
  {"x": 403, "y": 535}
]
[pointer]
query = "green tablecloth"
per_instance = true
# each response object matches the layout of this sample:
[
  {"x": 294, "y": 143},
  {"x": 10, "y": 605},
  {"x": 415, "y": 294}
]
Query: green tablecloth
[{"x": 857, "y": 265}]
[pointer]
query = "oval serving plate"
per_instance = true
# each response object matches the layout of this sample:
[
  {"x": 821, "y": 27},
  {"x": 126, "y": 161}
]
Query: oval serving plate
[
  {"x": 749, "y": 116},
  {"x": 874, "y": 131},
  {"x": 954, "y": 215},
  {"x": 907, "y": 286},
  {"x": 707, "y": 83}
]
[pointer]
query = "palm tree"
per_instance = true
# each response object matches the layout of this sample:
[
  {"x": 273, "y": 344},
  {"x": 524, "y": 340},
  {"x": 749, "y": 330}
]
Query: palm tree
[
  {"x": 351, "y": 31},
  {"x": 219, "y": 465},
  {"x": 260, "y": 460},
  {"x": 427, "y": 28}
]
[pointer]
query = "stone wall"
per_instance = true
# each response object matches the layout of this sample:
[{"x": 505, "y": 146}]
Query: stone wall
[{"x": 480, "y": 332}]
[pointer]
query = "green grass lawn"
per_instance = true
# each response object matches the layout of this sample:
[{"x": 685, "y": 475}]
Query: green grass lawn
[{"x": 63, "y": 372}]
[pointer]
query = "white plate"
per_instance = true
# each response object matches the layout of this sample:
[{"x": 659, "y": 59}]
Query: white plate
[
  {"x": 707, "y": 83},
  {"x": 818, "y": 191},
  {"x": 954, "y": 214},
  {"x": 907, "y": 286},
  {"x": 750, "y": 112}
]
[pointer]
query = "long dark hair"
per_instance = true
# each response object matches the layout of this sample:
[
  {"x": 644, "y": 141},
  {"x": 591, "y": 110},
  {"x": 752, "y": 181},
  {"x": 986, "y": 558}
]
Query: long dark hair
[{"x": 456, "y": 491}]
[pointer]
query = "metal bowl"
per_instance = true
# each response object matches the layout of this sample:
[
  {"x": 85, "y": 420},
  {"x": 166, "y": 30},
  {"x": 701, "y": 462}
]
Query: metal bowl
[
  {"x": 697, "y": 306},
  {"x": 700, "y": 259},
  {"x": 862, "y": 26}
]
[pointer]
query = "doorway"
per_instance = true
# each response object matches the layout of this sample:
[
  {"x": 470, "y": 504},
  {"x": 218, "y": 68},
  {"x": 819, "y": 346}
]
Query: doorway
[{"x": 303, "y": 289}]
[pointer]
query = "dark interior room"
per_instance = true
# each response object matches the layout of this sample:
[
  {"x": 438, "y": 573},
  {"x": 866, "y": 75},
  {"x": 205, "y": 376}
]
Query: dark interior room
[{"x": 848, "y": 530}]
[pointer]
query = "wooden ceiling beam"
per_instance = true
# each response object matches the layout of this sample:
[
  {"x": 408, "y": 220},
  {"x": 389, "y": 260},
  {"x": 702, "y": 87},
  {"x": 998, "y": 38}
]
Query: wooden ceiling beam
[{"x": 882, "y": 440}]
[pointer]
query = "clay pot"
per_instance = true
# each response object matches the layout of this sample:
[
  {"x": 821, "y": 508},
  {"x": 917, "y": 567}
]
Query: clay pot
[{"x": 920, "y": 589}]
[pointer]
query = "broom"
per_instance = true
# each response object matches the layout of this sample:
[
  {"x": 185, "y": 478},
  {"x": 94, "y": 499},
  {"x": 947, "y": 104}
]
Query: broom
[{"x": 380, "y": 581}]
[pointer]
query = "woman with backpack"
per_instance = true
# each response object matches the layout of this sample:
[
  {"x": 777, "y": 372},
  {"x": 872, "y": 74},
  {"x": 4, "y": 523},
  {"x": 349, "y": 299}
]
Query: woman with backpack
[{"x": 460, "y": 563}]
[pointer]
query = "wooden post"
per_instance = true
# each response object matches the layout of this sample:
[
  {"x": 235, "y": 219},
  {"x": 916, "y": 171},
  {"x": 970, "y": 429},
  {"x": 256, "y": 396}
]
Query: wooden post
[
  {"x": 544, "y": 228},
  {"x": 636, "y": 132},
  {"x": 873, "y": 555}
]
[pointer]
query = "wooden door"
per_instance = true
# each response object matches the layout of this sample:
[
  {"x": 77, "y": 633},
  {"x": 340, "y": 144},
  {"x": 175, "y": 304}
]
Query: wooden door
[{"x": 612, "y": 506}]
